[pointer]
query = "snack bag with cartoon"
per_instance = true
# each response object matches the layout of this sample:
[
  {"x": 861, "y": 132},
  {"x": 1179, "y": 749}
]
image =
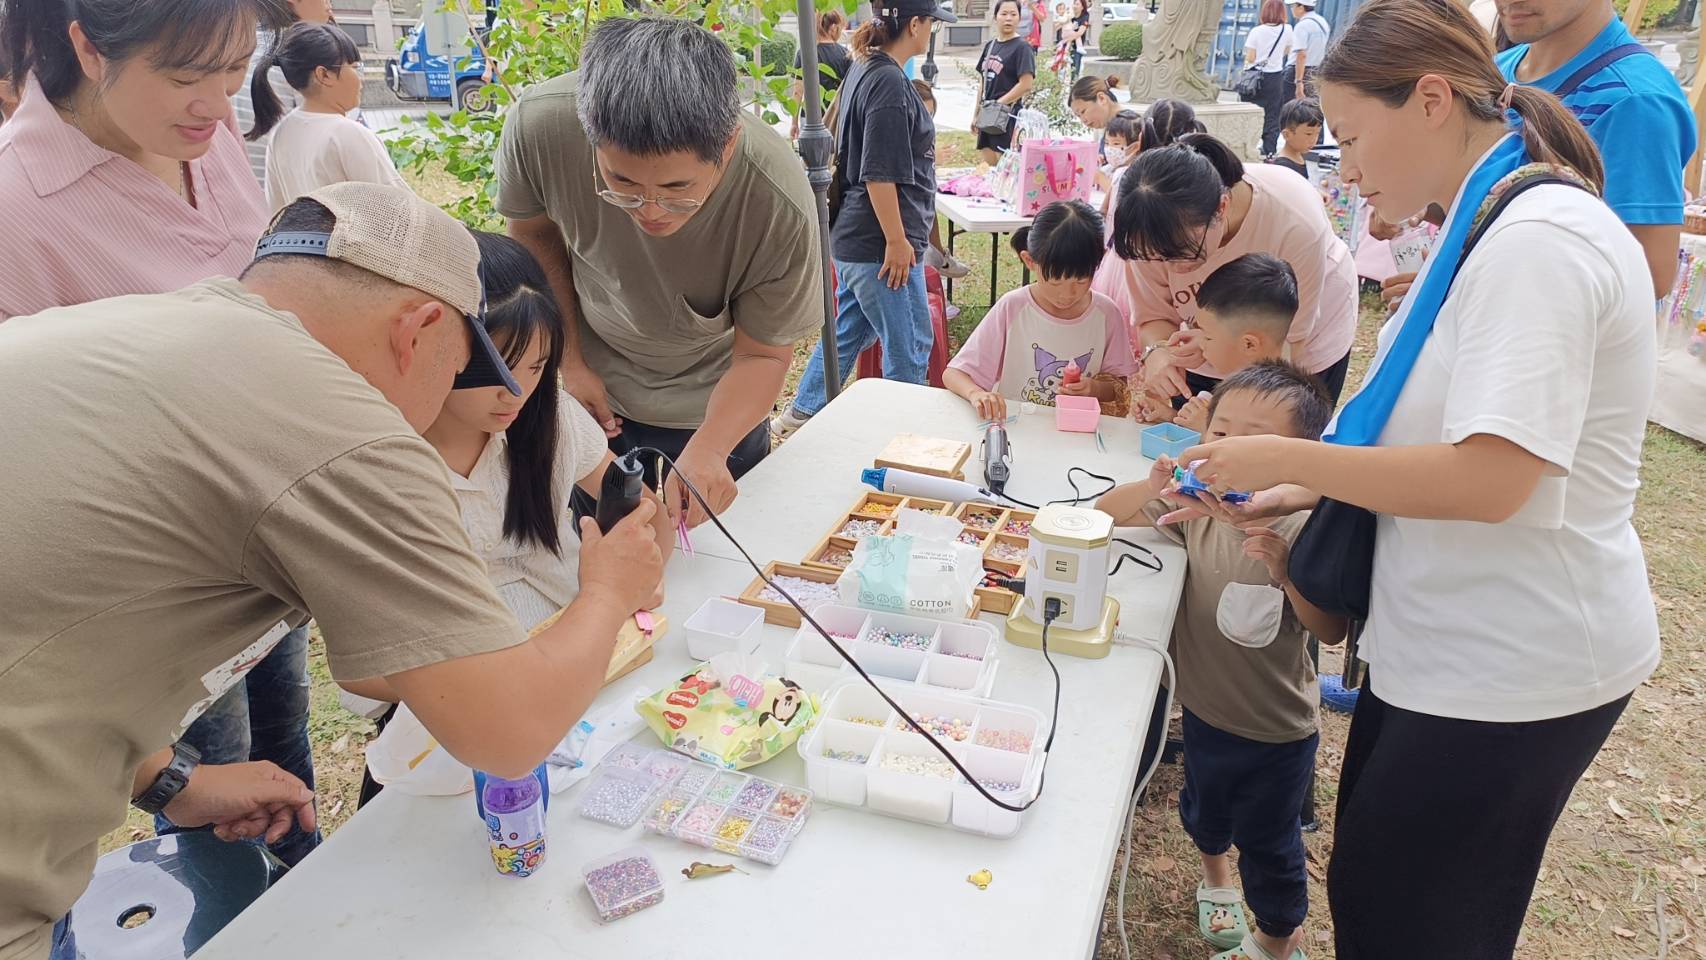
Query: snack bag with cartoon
[{"x": 728, "y": 712}]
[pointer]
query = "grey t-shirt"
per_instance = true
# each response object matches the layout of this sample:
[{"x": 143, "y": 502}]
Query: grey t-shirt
[
  {"x": 886, "y": 136},
  {"x": 656, "y": 315},
  {"x": 1309, "y": 36}
]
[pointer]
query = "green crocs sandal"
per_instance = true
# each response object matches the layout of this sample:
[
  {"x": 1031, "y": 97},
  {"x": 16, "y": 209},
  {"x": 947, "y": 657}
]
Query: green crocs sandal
[
  {"x": 1249, "y": 949},
  {"x": 1220, "y": 916}
]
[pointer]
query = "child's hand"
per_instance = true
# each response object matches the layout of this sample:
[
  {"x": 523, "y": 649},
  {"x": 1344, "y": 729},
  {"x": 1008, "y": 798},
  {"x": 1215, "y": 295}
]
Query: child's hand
[
  {"x": 1161, "y": 473},
  {"x": 1194, "y": 414},
  {"x": 1264, "y": 544},
  {"x": 989, "y": 405},
  {"x": 1084, "y": 387}
]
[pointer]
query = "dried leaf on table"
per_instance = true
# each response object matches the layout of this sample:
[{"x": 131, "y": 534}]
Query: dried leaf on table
[{"x": 696, "y": 869}]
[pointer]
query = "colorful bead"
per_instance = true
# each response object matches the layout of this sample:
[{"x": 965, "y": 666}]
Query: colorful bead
[
  {"x": 868, "y": 721},
  {"x": 1016, "y": 526},
  {"x": 726, "y": 787},
  {"x": 1007, "y": 552},
  {"x": 734, "y": 827},
  {"x": 616, "y": 800},
  {"x": 900, "y": 638},
  {"x": 954, "y": 728},
  {"x": 918, "y": 766},
  {"x": 754, "y": 795},
  {"x": 695, "y": 777},
  {"x": 624, "y": 887},
  {"x": 808, "y": 592},
  {"x": 788, "y": 804},
  {"x": 1000, "y": 786},
  {"x": 856, "y": 529},
  {"x": 873, "y": 508},
  {"x": 668, "y": 810},
  {"x": 981, "y": 521},
  {"x": 970, "y": 539},
  {"x": 701, "y": 819},
  {"x": 664, "y": 767},
  {"x": 768, "y": 834},
  {"x": 846, "y": 756},
  {"x": 835, "y": 556},
  {"x": 1004, "y": 740}
]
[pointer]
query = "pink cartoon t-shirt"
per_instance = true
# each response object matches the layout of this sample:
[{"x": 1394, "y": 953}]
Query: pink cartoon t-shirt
[{"x": 1021, "y": 350}]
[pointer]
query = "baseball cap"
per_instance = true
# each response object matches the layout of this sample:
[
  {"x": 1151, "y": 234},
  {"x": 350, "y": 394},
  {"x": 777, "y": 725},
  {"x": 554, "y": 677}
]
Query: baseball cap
[
  {"x": 1305, "y": 3},
  {"x": 390, "y": 232},
  {"x": 915, "y": 8}
]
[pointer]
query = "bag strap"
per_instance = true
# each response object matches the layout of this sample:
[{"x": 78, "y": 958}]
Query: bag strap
[
  {"x": 841, "y": 116},
  {"x": 1484, "y": 219},
  {"x": 1277, "y": 38},
  {"x": 1606, "y": 59}
]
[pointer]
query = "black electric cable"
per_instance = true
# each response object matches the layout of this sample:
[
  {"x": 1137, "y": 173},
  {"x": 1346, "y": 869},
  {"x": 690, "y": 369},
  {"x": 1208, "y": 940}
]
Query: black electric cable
[
  {"x": 971, "y": 779},
  {"x": 1078, "y": 497}
]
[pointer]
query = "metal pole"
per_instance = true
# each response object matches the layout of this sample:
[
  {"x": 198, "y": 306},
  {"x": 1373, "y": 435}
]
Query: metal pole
[
  {"x": 817, "y": 149},
  {"x": 929, "y": 70}
]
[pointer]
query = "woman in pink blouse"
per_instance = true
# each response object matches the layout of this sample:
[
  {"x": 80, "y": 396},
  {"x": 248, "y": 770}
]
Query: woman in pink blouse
[
  {"x": 119, "y": 172},
  {"x": 1186, "y": 209}
]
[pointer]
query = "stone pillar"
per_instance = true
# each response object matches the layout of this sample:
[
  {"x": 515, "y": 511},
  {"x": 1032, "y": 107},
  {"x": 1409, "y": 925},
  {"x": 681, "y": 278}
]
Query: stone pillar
[{"x": 1175, "y": 49}]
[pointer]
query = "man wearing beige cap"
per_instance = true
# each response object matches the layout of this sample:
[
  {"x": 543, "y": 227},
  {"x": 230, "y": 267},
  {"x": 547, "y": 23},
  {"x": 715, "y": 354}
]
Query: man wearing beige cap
[{"x": 189, "y": 475}]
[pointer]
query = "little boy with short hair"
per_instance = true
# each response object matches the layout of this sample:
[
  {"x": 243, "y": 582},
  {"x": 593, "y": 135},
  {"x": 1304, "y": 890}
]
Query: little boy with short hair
[
  {"x": 1244, "y": 677},
  {"x": 1244, "y": 313},
  {"x": 1300, "y": 131}
]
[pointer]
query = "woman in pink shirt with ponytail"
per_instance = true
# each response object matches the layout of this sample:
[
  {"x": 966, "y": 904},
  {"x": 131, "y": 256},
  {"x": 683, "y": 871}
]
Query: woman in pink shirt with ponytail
[{"x": 1186, "y": 209}]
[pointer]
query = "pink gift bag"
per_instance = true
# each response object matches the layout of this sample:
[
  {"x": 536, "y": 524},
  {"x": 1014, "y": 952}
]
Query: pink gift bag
[{"x": 1053, "y": 169}]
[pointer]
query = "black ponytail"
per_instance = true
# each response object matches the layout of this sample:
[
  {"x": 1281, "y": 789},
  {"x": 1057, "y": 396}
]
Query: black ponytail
[
  {"x": 1065, "y": 240},
  {"x": 519, "y": 309},
  {"x": 304, "y": 48},
  {"x": 1169, "y": 195},
  {"x": 1166, "y": 121},
  {"x": 193, "y": 36}
]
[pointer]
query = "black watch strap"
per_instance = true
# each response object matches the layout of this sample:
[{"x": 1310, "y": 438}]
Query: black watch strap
[{"x": 170, "y": 781}]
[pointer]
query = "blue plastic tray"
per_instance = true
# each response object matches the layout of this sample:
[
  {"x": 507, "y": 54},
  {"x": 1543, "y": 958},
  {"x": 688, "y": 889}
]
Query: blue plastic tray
[{"x": 1167, "y": 439}]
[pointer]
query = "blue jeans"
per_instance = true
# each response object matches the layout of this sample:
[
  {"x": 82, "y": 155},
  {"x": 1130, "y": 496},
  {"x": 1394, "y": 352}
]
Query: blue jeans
[
  {"x": 263, "y": 718},
  {"x": 63, "y": 944},
  {"x": 868, "y": 311}
]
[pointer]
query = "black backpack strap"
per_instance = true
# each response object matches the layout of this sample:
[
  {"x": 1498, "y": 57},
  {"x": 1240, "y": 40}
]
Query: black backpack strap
[
  {"x": 1517, "y": 189},
  {"x": 1595, "y": 65}
]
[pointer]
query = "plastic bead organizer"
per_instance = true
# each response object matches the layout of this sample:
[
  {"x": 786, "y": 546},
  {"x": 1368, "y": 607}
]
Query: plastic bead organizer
[
  {"x": 956, "y": 656},
  {"x": 730, "y": 812},
  {"x": 891, "y": 770}
]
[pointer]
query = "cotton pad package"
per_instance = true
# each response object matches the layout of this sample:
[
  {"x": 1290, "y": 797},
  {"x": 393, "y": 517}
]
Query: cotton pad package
[{"x": 921, "y": 569}]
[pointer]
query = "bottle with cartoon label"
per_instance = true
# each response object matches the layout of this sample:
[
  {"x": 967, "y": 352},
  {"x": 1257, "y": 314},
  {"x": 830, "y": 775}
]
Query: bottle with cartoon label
[{"x": 515, "y": 821}]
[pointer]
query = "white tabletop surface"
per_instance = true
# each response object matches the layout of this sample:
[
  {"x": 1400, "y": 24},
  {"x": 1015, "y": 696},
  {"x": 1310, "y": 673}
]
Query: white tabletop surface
[
  {"x": 980, "y": 214},
  {"x": 411, "y": 877}
]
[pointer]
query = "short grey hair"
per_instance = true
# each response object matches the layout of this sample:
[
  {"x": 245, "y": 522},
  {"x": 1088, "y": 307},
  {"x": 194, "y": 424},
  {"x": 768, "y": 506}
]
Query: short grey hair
[{"x": 654, "y": 85}]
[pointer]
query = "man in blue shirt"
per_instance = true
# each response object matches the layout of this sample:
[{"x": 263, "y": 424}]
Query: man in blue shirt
[
  {"x": 1631, "y": 106},
  {"x": 1308, "y": 46}
]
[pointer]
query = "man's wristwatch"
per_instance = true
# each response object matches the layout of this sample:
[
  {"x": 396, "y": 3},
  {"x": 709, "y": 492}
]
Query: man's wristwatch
[{"x": 170, "y": 781}]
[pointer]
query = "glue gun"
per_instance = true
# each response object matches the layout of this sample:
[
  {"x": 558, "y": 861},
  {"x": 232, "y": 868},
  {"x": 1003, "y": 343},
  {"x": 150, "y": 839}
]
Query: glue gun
[
  {"x": 1190, "y": 485},
  {"x": 909, "y": 484},
  {"x": 997, "y": 455},
  {"x": 624, "y": 484}
]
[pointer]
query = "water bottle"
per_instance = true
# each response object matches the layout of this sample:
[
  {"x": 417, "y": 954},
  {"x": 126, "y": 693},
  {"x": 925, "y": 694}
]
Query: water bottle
[{"x": 514, "y": 811}]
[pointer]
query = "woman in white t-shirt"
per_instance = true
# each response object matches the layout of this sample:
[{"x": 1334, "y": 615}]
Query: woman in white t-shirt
[
  {"x": 1497, "y": 440},
  {"x": 316, "y": 144},
  {"x": 1266, "y": 47}
]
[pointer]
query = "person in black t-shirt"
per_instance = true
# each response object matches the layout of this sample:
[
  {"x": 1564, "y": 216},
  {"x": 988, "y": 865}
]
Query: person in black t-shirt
[
  {"x": 833, "y": 62},
  {"x": 1006, "y": 70},
  {"x": 1300, "y": 127},
  {"x": 886, "y": 169}
]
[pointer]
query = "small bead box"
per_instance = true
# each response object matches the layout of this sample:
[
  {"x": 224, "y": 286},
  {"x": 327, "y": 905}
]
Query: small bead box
[
  {"x": 949, "y": 655},
  {"x": 623, "y": 883},
  {"x": 627, "y": 781},
  {"x": 863, "y": 754},
  {"x": 730, "y": 812},
  {"x": 999, "y": 532}
]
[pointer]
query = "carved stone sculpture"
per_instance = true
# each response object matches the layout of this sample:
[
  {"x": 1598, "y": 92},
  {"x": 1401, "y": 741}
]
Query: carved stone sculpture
[{"x": 1175, "y": 50}]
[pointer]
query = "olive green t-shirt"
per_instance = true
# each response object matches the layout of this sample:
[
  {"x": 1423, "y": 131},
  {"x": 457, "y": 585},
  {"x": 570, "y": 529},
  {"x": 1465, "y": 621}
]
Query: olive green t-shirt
[
  {"x": 186, "y": 475},
  {"x": 1238, "y": 648},
  {"x": 656, "y": 315}
]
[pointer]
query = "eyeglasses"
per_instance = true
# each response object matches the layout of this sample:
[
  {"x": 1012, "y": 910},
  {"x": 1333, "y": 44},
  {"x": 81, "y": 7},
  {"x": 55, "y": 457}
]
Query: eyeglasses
[{"x": 629, "y": 201}]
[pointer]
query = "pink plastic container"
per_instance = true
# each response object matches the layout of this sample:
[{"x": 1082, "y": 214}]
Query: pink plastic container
[{"x": 1077, "y": 414}]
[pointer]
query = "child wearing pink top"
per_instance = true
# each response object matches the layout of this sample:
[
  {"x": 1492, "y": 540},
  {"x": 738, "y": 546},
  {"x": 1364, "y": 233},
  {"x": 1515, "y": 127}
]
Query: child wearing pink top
[
  {"x": 1035, "y": 338},
  {"x": 1186, "y": 210}
]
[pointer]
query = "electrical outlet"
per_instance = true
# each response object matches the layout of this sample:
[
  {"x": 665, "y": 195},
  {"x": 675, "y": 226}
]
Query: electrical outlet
[{"x": 1065, "y": 603}]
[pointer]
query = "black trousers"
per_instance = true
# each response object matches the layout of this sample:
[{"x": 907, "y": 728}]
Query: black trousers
[
  {"x": 752, "y": 448},
  {"x": 1276, "y": 89},
  {"x": 1333, "y": 378},
  {"x": 1441, "y": 826}
]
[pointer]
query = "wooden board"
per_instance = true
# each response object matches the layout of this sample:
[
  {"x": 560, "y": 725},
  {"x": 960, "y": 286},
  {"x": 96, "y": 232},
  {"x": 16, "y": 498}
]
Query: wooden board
[
  {"x": 633, "y": 645},
  {"x": 931, "y": 455}
]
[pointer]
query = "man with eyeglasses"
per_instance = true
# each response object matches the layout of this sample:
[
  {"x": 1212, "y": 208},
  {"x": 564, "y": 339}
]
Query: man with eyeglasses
[{"x": 680, "y": 237}]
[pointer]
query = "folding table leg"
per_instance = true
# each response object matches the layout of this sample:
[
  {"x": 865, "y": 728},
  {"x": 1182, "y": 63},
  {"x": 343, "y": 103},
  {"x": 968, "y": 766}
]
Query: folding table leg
[
  {"x": 947, "y": 281},
  {"x": 994, "y": 263}
]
